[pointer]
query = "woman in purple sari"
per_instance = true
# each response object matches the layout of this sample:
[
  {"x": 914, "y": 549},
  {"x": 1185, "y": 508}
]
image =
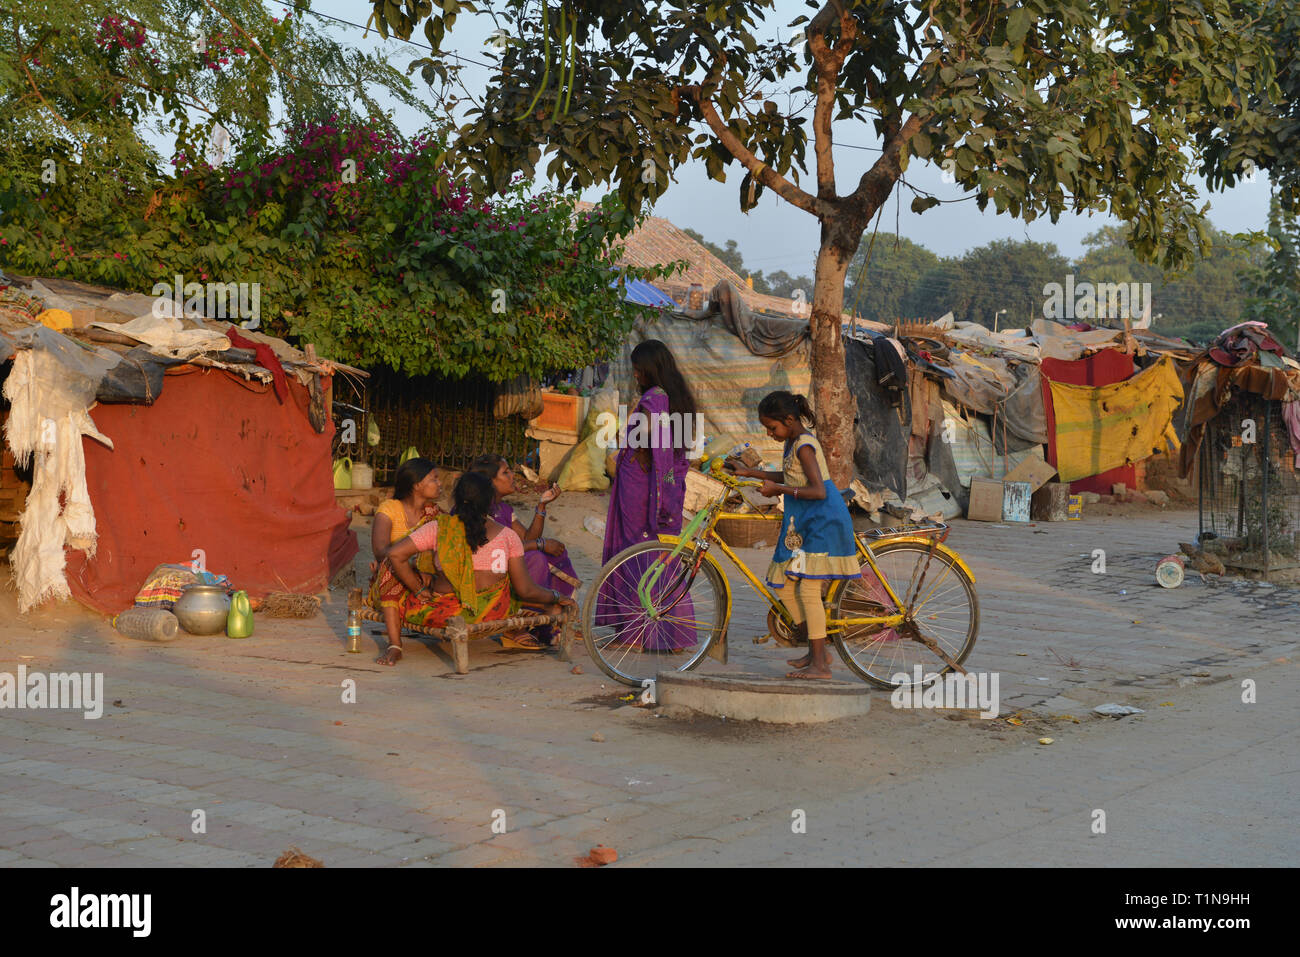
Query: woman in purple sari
[
  {"x": 547, "y": 559},
  {"x": 650, "y": 487}
]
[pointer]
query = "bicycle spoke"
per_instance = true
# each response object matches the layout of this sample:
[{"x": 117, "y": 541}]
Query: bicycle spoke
[
  {"x": 937, "y": 600},
  {"x": 686, "y": 609}
]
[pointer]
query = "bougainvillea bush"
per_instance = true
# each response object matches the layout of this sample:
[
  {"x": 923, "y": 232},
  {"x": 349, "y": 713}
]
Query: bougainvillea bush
[
  {"x": 360, "y": 241},
  {"x": 363, "y": 245}
]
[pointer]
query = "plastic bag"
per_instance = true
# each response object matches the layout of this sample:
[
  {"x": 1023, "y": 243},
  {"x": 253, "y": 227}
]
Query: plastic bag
[{"x": 343, "y": 473}]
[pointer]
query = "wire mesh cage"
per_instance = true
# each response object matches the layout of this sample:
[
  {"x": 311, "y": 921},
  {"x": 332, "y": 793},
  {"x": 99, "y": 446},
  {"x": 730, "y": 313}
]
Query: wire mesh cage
[
  {"x": 447, "y": 421},
  {"x": 1249, "y": 489}
]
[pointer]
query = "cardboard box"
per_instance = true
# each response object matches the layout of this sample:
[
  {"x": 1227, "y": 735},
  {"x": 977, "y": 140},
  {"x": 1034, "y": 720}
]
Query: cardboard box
[
  {"x": 1034, "y": 471},
  {"x": 985, "y": 500}
]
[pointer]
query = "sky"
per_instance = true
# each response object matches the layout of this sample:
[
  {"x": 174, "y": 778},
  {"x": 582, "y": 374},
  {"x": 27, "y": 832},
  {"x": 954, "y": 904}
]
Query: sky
[{"x": 775, "y": 235}]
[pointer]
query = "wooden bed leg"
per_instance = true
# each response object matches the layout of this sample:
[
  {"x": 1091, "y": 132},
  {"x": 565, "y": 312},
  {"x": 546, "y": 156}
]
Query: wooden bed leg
[
  {"x": 564, "y": 641},
  {"x": 458, "y": 633},
  {"x": 568, "y": 632}
]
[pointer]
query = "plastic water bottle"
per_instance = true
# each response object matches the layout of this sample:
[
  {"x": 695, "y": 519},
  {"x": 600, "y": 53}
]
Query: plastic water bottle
[
  {"x": 147, "y": 624},
  {"x": 354, "y": 631}
]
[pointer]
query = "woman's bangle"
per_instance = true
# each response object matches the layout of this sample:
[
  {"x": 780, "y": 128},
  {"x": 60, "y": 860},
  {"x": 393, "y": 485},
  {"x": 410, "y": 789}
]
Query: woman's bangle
[{"x": 541, "y": 510}]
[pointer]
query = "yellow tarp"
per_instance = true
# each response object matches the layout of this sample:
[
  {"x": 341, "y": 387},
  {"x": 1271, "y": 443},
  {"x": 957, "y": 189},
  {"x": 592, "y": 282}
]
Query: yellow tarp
[{"x": 1104, "y": 427}]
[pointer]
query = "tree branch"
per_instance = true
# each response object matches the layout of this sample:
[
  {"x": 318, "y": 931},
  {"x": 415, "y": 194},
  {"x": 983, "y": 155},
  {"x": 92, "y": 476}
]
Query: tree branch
[
  {"x": 828, "y": 63},
  {"x": 758, "y": 169},
  {"x": 886, "y": 170},
  {"x": 22, "y": 62}
]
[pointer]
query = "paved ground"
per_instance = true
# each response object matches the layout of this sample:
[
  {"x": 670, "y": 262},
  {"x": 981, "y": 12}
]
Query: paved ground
[{"x": 256, "y": 735}]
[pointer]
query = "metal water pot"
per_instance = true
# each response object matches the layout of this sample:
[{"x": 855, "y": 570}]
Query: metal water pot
[{"x": 202, "y": 609}]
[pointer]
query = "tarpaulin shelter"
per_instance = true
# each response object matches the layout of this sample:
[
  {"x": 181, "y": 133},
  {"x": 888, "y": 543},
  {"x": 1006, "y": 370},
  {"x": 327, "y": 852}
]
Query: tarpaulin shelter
[
  {"x": 976, "y": 402},
  {"x": 168, "y": 444}
]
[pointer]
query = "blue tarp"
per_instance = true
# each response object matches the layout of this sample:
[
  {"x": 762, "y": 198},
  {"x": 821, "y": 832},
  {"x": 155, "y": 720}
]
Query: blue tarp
[{"x": 644, "y": 294}]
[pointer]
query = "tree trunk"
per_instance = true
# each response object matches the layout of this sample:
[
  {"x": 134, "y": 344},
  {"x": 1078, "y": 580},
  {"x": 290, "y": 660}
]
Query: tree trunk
[{"x": 832, "y": 398}]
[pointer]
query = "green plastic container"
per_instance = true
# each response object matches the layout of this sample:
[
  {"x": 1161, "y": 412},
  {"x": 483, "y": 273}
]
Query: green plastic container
[{"x": 239, "y": 620}]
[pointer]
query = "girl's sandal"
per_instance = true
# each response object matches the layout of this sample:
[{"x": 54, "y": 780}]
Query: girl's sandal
[{"x": 525, "y": 642}]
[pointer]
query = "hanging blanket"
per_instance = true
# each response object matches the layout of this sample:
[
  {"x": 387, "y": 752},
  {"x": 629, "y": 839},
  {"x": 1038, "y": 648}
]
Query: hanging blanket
[
  {"x": 1104, "y": 427},
  {"x": 47, "y": 419}
]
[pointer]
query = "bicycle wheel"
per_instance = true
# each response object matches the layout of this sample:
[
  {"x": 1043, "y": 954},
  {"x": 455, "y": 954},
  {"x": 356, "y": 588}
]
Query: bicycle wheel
[
  {"x": 687, "y": 613},
  {"x": 946, "y": 611}
]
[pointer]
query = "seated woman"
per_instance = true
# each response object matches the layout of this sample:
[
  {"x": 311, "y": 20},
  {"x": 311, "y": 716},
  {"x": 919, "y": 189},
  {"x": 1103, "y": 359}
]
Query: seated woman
[
  {"x": 546, "y": 558},
  {"x": 415, "y": 492},
  {"x": 480, "y": 562}
]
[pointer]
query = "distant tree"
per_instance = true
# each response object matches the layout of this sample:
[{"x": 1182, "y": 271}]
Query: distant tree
[
  {"x": 888, "y": 290},
  {"x": 1196, "y": 304},
  {"x": 731, "y": 256},
  {"x": 782, "y": 284},
  {"x": 1005, "y": 274}
]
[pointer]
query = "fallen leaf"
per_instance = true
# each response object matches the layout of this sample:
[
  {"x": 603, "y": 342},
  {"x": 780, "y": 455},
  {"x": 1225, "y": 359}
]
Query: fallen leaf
[
  {"x": 598, "y": 737},
  {"x": 1166, "y": 704},
  {"x": 1045, "y": 740},
  {"x": 1016, "y": 721}
]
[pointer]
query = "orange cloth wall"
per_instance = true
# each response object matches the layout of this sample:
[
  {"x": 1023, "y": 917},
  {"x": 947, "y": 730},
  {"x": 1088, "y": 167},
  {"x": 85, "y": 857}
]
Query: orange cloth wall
[{"x": 217, "y": 464}]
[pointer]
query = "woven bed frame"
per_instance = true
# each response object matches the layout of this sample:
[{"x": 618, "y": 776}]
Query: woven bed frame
[{"x": 459, "y": 632}]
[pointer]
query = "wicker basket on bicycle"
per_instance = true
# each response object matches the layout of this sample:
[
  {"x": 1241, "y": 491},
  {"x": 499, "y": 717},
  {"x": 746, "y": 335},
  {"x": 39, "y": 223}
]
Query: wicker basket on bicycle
[{"x": 743, "y": 533}]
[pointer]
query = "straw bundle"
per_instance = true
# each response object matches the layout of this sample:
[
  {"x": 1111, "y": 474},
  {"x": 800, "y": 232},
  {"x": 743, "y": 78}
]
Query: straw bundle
[
  {"x": 296, "y": 858},
  {"x": 283, "y": 604}
]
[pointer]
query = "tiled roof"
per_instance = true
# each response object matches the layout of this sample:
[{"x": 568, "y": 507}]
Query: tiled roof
[{"x": 658, "y": 242}]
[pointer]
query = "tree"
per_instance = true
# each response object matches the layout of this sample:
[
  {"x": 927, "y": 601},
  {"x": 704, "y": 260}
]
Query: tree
[
  {"x": 1031, "y": 107},
  {"x": 1197, "y": 303},
  {"x": 355, "y": 238},
  {"x": 87, "y": 87},
  {"x": 1273, "y": 286},
  {"x": 1004, "y": 274},
  {"x": 785, "y": 286},
  {"x": 882, "y": 292},
  {"x": 731, "y": 256}
]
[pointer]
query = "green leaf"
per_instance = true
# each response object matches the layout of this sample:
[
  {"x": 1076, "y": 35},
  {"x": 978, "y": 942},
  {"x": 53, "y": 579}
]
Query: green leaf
[{"x": 1018, "y": 22}]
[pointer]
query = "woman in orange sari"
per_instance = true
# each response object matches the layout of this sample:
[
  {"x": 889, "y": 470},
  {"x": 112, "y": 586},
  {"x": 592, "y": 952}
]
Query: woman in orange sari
[
  {"x": 480, "y": 562},
  {"x": 415, "y": 494}
]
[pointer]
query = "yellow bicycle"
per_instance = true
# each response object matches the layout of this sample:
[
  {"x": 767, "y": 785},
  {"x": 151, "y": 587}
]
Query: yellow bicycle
[{"x": 661, "y": 605}]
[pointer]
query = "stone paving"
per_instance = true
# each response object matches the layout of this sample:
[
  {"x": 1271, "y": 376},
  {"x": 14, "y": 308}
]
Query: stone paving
[{"x": 255, "y": 734}]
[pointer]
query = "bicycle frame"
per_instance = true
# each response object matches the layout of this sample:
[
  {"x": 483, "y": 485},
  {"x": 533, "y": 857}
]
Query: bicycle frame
[{"x": 702, "y": 542}]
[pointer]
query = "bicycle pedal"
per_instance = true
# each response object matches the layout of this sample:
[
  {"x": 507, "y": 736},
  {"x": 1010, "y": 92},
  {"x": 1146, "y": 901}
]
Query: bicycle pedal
[{"x": 761, "y": 639}]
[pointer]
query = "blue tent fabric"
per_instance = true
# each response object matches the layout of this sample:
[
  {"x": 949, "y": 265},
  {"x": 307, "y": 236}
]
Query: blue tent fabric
[{"x": 644, "y": 294}]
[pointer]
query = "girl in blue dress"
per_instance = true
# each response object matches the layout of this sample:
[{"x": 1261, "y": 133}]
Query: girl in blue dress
[{"x": 816, "y": 540}]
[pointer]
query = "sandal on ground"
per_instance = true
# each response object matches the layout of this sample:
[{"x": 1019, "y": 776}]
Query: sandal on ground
[{"x": 524, "y": 642}]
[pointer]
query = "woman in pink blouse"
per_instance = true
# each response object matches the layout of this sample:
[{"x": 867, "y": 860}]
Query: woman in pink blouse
[{"x": 481, "y": 562}]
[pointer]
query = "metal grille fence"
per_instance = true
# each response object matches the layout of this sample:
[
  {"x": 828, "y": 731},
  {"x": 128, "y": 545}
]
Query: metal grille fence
[
  {"x": 448, "y": 421},
  {"x": 1250, "y": 490}
]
